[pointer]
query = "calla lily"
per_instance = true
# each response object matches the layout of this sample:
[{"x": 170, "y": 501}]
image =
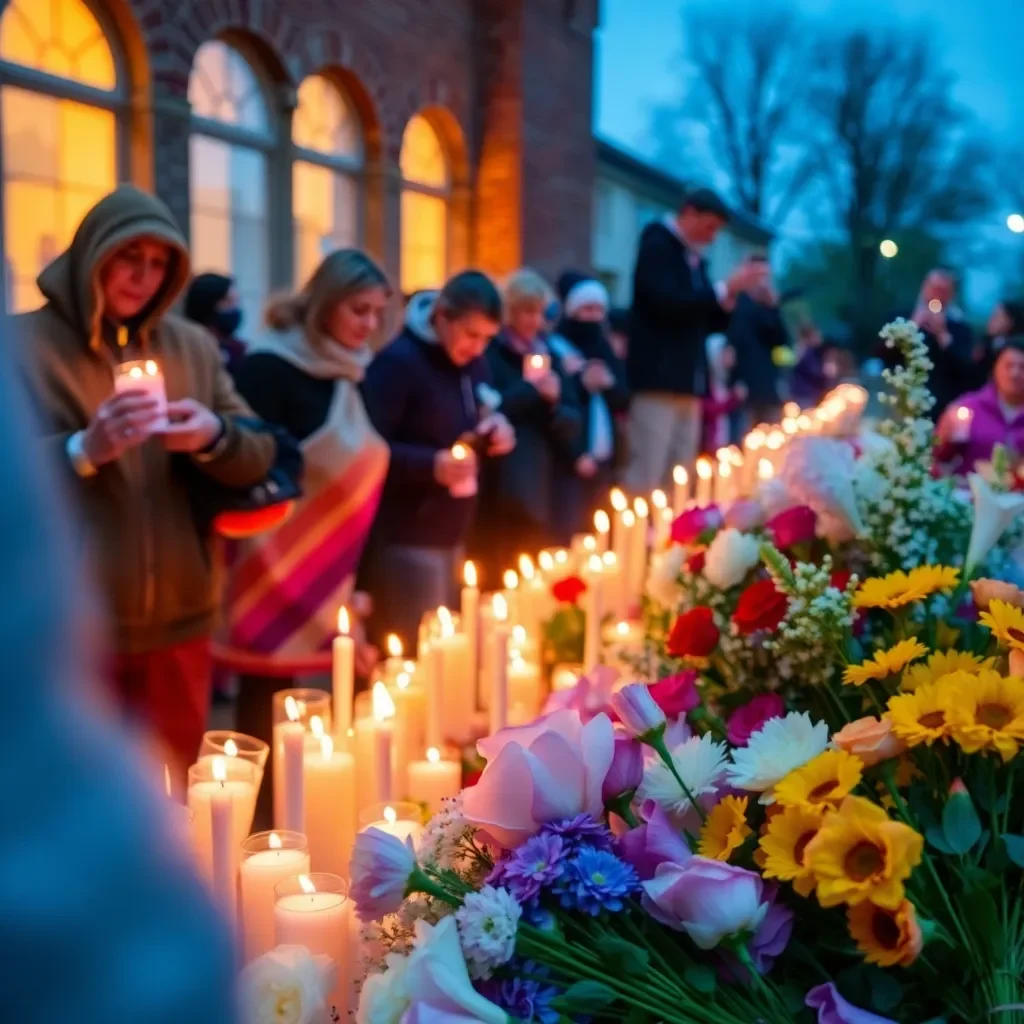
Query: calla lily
[{"x": 994, "y": 511}]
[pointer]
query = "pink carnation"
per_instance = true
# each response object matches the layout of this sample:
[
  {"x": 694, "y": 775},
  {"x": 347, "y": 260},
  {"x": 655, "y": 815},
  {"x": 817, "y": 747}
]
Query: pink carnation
[
  {"x": 676, "y": 694},
  {"x": 692, "y": 524},
  {"x": 750, "y": 718}
]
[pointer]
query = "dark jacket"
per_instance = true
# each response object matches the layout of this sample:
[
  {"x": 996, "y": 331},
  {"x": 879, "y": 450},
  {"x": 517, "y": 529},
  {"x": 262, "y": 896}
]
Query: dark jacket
[
  {"x": 808, "y": 381},
  {"x": 675, "y": 308},
  {"x": 519, "y": 491},
  {"x": 420, "y": 402},
  {"x": 279, "y": 392},
  {"x": 755, "y": 330}
]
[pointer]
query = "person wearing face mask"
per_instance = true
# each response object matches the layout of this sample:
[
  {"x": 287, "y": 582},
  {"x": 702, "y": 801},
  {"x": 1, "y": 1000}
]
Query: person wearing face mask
[
  {"x": 427, "y": 392},
  {"x": 583, "y": 346},
  {"x": 212, "y": 302}
]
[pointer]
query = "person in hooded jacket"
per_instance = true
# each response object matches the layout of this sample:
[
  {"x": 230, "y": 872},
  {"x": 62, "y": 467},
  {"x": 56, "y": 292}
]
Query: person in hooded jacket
[
  {"x": 212, "y": 302},
  {"x": 107, "y": 299},
  {"x": 426, "y": 392},
  {"x": 583, "y": 346}
]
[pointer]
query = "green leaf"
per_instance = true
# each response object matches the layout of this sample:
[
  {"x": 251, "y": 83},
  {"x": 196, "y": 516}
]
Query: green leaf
[
  {"x": 961, "y": 827},
  {"x": 701, "y": 978},
  {"x": 1015, "y": 849},
  {"x": 793, "y": 998},
  {"x": 623, "y": 957},
  {"x": 982, "y": 918},
  {"x": 585, "y": 997},
  {"x": 886, "y": 991},
  {"x": 936, "y": 838}
]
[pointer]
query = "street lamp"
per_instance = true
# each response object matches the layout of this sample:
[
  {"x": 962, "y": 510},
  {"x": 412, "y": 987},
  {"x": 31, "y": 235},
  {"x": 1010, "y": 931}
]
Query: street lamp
[
  {"x": 888, "y": 248},
  {"x": 1015, "y": 222}
]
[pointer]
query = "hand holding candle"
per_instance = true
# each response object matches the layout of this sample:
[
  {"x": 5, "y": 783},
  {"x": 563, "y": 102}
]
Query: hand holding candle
[
  {"x": 456, "y": 469},
  {"x": 536, "y": 367},
  {"x": 961, "y": 420}
]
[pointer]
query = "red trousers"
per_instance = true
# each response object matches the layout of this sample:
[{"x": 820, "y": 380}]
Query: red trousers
[{"x": 167, "y": 694}]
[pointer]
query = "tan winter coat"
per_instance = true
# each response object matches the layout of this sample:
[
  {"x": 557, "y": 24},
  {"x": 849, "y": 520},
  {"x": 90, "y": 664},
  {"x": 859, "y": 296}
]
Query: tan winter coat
[{"x": 139, "y": 526}]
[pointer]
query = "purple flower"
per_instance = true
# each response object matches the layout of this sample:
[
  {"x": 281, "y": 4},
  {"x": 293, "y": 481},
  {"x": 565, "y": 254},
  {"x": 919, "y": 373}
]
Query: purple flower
[
  {"x": 638, "y": 710},
  {"x": 677, "y": 732},
  {"x": 594, "y": 881},
  {"x": 627, "y": 770},
  {"x": 834, "y": 1009},
  {"x": 381, "y": 866},
  {"x": 767, "y": 943},
  {"x": 583, "y": 830},
  {"x": 526, "y": 998},
  {"x": 653, "y": 844},
  {"x": 536, "y": 864}
]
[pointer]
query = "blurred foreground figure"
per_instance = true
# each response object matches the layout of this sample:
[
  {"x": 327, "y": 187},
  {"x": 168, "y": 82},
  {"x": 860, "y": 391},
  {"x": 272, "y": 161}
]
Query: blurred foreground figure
[{"x": 101, "y": 920}]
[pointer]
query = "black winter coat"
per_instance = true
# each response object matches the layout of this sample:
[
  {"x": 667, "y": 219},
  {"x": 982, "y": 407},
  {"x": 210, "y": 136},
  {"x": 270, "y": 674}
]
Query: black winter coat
[{"x": 754, "y": 331}]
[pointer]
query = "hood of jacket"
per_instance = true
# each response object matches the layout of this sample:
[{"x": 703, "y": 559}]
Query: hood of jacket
[
  {"x": 418, "y": 311},
  {"x": 71, "y": 282}
]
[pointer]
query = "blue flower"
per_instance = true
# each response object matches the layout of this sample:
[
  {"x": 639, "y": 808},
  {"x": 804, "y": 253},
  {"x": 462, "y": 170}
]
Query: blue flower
[
  {"x": 537, "y": 864},
  {"x": 596, "y": 880},
  {"x": 583, "y": 830},
  {"x": 524, "y": 998}
]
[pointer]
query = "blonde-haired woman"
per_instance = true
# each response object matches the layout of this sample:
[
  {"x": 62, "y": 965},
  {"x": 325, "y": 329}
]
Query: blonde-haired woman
[{"x": 303, "y": 374}]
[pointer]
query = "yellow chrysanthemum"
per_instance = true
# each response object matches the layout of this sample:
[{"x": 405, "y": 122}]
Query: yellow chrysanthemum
[
  {"x": 988, "y": 715},
  {"x": 889, "y": 938},
  {"x": 885, "y": 663},
  {"x": 923, "y": 716},
  {"x": 725, "y": 830},
  {"x": 860, "y": 854},
  {"x": 825, "y": 781},
  {"x": 784, "y": 845},
  {"x": 1006, "y": 622},
  {"x": 902, "y": 588},
  {"x": 942, "y": 663}
]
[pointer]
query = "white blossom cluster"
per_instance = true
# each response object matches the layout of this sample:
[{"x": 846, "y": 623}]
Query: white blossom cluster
[
  {"x": 487, "y": 923},
  {"x": 446, "y": 837},
  {"x": 396, "y": 933},
  {"x": 810, "y": 638}
]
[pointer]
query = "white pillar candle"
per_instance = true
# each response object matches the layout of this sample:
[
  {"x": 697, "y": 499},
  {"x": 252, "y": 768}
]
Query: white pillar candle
[
  {"x": 524, "y": 689},
  {"x": 267, "y": 859},
  {"x": 330, "y": 777},
  {"x": 765, "y": 470},
  {"x": 726, "y": 483},
  {"x": 680, "y": 489},
  {"x": 753, "y": 443},
  {"x": 314, "y": 911},
  {"x": 638, "y": 552},
  {"x": 565, "y": 677},
  {"x": 343, "y": 674},
  {"x": 776, "y": 447},
  {"x": 960, "y": 428},
  {"x": 611, "y": 584},
  {"x": 528, "y": 606},
  {"x": 410, "y": 697},
  {"x": 433, "y": 780},
  {"x": 620, "y": 532},
  {"x": 470, "y": 620},
  {"x": 660, "y": 522},
  {"x": 457, "y": 693},
  {"x": 290, "y": 708},
  {"x": 374, "y": 738},
  {"x": 290, "y": 738},
  {"x": 511, "y": 582},
  {"x": 602, "y": 530},
  {"x": 146, "y": 376},
  {"x": 705, "y": 481},
  {"x": 593, "y": 613},
  {"x": 624, "y": 558},
  {"x": 498, "y": 697},
  {"x": 395, "y": 661},
  {"x": 403, "y": 820}
]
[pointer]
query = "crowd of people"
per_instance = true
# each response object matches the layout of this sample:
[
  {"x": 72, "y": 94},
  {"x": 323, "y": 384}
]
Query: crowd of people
[{"x": 493, "y": 423}]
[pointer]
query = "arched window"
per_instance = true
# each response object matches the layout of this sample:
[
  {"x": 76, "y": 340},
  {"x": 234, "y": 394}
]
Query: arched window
[
  {"x": 61, "y": 93},
  {"x": 328, "y": 141},
  {"x": 232, "y": 136},
  {"x": 426, "y": 185}
]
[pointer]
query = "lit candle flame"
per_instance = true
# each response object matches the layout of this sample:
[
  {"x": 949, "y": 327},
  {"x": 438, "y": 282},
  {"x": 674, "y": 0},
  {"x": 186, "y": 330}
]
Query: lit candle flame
[
  {"x": 444, "y": 619},
  {"x": 460, "y": 452},
  {"x": 680, "y": 476},
  {"x": 383, "y": 705},
  {"x": 510, "y": 579},
  {"x": 519, "y": 635},
  {"x": 274, "y": 841},
  {"x": 394, "y": 645},
  {"x": 589, "y": 543},
  {"x": 343, "y": 621},
  {"x": 765, "y": 470},
  {"x": 723, "y": 455},
  {"x": 230, "y": 748},
  {"x": 390, "y": 815},
  {"x": 622, "y": 629},
  {"x": 306, "y": 884},
  {"x": 151, "y": 368},
  {"x": 705, "y": 469},
  {"x": 776, "y": 439},
  {"x": 803, "y": 421},
  {"x": 327, "y": 747},
  {"x": 610, "y": 559},
  {"x": 537, "y": 362},
  {"x": 789, "y": 425},
  {"x": 433, "y": 755},
  {"x": 659, "y": 499},
  {"x": 135, "y": 373},
  {"x": 963, "y": 414},
  {"x": 469, "y": 576},
  {"x": 526, "y": 567},
  {"x": 725, "y": 470},
  {"x": 402, "y": 680},
  {"x": 791, "y": 409},
  {"x": 291, "y": 708},
  {"x": 755, "y": 440},
  {"x": 410, "y": 667},
  {"x": 167, "y": 780},
  {"x": 619, "y": 501},
  {"x": 546, "y": 561},
  {"x": 316, "y": 725},
  {"x": 595, "y": 564},
  {"x": 602, "y": 522},
  {"x": 351, "y": 733},
  {"x": 220, "y": 769},
  {"x": 500, "y": 607},
  {"x": 561, "y": 557},
  {"x": 629, "y": 519},
  {"x": 735, "y": 456},
  {"x": 640, "y": 508}
]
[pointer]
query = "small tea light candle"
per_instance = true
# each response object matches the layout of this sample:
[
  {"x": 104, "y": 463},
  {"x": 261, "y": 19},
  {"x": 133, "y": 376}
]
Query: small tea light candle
[
  {"x": 227, "y": 743},
  {"x": 434, "y": 780},
  {"x": 146, "y": 376},
  {"x": 960, "y": 432},
  {"x": 402, "y": 820},
  {"x": 536, "y": 367},
  {"x": 466, "y": 488}
]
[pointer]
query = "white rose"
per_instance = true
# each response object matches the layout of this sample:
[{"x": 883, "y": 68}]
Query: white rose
[
  {"x": 288, "y": 985},
  {"x": 663, "y": 579},
  {"x": 730, "y": 557},
  {"x": 385, "y": 996}
]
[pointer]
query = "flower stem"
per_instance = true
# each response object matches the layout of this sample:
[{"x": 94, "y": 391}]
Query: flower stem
[
  {"x": 620, "y": 805},
  {"x": 656, "y": 741},
  {"x": 420, "y": 882}
]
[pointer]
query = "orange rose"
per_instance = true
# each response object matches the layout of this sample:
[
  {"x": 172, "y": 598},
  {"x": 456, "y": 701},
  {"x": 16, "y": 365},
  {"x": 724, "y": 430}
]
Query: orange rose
[
  {"x": 870, "y": 739},
  {"x": 987, "y": 591}
]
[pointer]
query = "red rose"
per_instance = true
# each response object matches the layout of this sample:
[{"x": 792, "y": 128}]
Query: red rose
[
  {"x": 792, "y": 527},
  {"x": 694, "y": 634},
  {"x": 762, "y": 606},
  {"x": 695, "y": 563},
  {"x": 677, "y": 694},
  {"x": 694, "y": 523},
  {"x": 840, "y": 579},
  {"x": 568, "y": 590}
]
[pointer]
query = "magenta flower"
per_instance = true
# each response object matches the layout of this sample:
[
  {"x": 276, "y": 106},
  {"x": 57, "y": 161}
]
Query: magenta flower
[
  {"x": 709, "y": 900},
  {"x": 381, "y": 867},
  {"x": 745, "y": 515},
  {"x": 677, "y": 694},
  {"x": 637, "y": 710},
  {"x": 750, "y": 717},
  {"x": 627, "y": 770},
  {"x": 550, "y": 770},
  {"x": 694, "y": 523},
  {"x": 794, "y": 526},
  {"x": 834, "y": 1009},
  {"x": 654, "y": 843}
]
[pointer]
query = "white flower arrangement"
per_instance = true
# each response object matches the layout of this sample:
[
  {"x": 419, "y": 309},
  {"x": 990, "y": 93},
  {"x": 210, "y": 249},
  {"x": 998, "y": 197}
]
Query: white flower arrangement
[{"x": 288, "y": 985}]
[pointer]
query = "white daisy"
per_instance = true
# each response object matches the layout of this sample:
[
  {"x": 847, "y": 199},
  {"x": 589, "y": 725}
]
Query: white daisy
[
  {"x": 701, "y": 764},
  {"x": 780, "y": 746}
]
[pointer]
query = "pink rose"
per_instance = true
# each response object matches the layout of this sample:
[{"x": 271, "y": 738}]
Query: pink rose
[
  {"x": 677, "y": 694},
  {"x": 794, "y": 526},
  {"x": 708, "y": 899},
  {"x": 871, "y": 739},
  {"x": 745, "y": 515},
  {"x": 688, "y": 528},
  {"x": 549, "y": 770},
  {"x": 750, "y": 717}
]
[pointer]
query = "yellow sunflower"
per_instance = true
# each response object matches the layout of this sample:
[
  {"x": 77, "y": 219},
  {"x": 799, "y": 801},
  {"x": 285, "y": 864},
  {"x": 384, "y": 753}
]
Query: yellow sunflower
[
  {"x": 885, "y": 663},
  {"x": 784, "y": 844},
  {"x": 825, "y": 781},
  {"x": 942, "y": 663},
  {"x": 860, "y": 854},
  {"x": 889, "y": 938},
  {"x": 1006, "y": 622},
  {"x": 989, "y": 715},
  {"x": 725, "y": 830},
  {"x": 902, "y": 588},
  {"x": 923, "y": 716}
]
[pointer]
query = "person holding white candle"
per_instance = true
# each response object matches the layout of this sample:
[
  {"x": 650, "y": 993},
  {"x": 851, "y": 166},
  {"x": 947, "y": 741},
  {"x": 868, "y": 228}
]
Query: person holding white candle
[{"x": 107, "y": 300}]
